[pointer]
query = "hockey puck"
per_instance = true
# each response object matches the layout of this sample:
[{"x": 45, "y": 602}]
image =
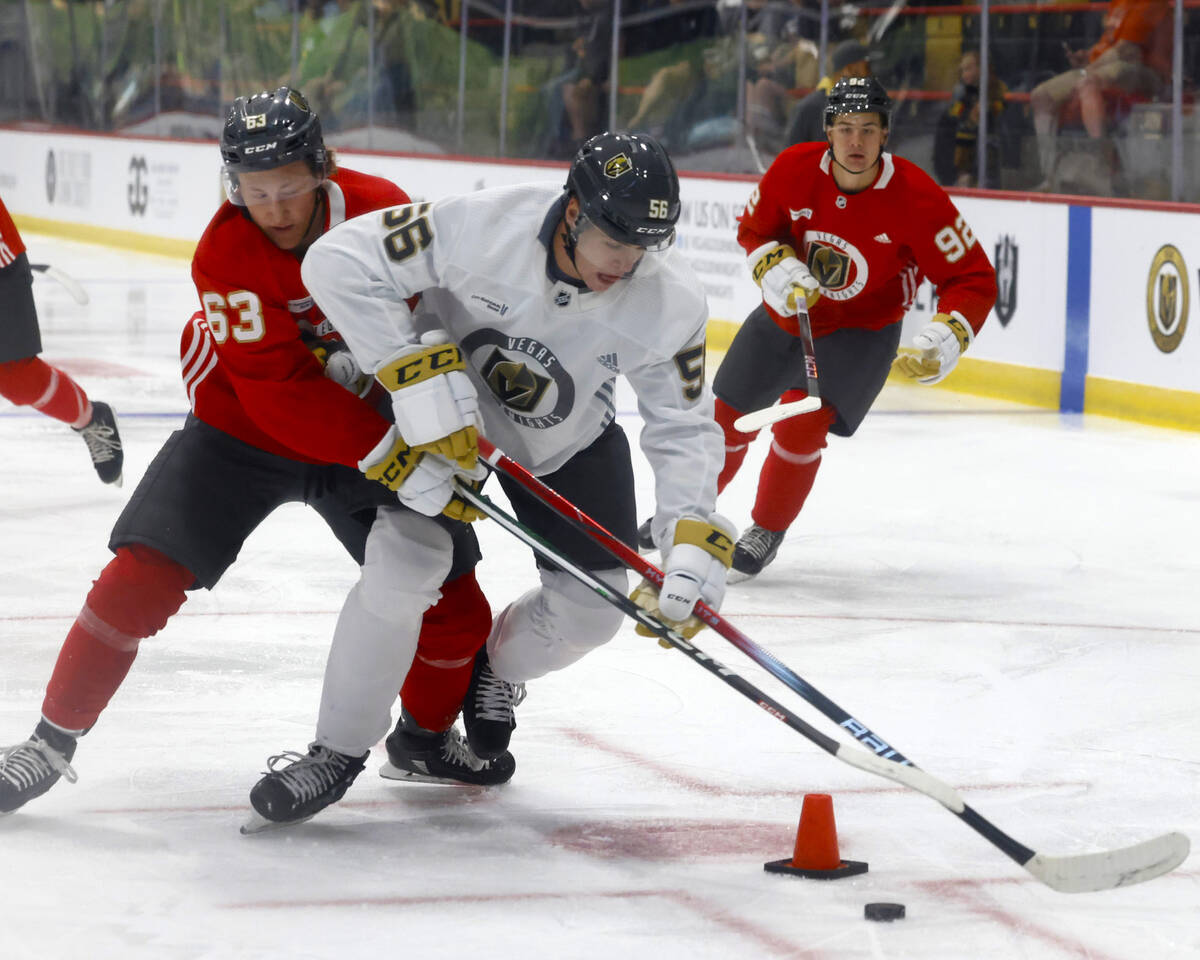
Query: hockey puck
[{"x": 884, "y": 912}]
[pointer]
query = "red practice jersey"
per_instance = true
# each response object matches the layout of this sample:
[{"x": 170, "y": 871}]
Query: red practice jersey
[
  {"x": 11, "y": 246},
  {"x": 246, "y": 369},
  {"x": 868, "y": 250}
]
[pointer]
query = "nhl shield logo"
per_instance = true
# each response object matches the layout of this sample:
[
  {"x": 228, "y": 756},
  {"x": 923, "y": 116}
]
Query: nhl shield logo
[
  {"x": 1006, "y": 278},
  {"x": 1167, "y": 297},
  {"x": 617, "y": 166}
]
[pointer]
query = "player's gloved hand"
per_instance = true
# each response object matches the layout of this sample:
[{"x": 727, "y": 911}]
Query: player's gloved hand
[
  {"x": 341, "y": 367},
  {"x": 422, "y": 481},
  {"x": 936, "y": 349},
  {"x": 694, "y": 569},
  {"x": 433, "y": 399},
  {"x": 784, "y": 280}
]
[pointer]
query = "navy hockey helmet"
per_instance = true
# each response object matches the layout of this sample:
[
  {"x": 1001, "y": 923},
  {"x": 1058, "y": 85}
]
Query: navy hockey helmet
[
  {"x": 627, "y": 186},
  {"x": 269, "y": 130},
  {"x": 859, "y": 95}
]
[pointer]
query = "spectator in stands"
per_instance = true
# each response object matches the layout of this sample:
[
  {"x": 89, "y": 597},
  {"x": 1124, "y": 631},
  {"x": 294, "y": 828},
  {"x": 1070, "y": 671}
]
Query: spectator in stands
[
  {"x": 672, "y": 87},
  {"x": 576, "y": 97},
  {"x": 849, "y": 59},
  {"x": 781, "y": 57},
  {"x": 1132, "y": 58},
  {"x": 955, "y": 149}
]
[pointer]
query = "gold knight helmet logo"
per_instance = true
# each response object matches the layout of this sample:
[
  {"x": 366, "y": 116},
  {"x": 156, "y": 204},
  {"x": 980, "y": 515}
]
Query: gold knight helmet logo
[
  {"x": 1167, "y": 298},
  {"x": 617, "y": 166}
]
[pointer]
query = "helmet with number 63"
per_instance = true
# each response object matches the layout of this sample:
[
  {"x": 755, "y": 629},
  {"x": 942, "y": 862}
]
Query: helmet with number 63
[
  {"x": 627, "y": 186},
  {"x": 269, "y": 130}
]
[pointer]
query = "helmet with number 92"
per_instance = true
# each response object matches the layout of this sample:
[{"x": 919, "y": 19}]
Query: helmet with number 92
[
  {"x": 859, "y": 95},
  {"x": 626, "y": 186},
  {"x": 269, "y": 130}
]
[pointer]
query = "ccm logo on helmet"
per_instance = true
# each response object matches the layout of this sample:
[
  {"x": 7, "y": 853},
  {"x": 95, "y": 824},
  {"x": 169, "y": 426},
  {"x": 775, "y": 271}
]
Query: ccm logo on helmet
[{"x": 262, "y": 147}]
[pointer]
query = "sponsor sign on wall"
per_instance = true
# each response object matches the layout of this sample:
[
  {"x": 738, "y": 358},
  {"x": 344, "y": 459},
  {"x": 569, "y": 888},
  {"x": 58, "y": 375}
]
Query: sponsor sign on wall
[
  {"x": 154, "y": 187},
  {"x": 1146, "y": 286}
]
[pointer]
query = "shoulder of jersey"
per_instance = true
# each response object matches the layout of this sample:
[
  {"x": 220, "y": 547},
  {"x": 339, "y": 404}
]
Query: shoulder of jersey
[
  {"x": 366, "y": 192},
  {"x": 229, "y": 234},
  {"x": 803, "y": 153}
]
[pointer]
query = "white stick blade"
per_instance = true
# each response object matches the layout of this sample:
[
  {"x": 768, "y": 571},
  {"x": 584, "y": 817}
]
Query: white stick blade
[
  {"x": 1109, "y": 869},
  {"x": 757, "y": 419}
]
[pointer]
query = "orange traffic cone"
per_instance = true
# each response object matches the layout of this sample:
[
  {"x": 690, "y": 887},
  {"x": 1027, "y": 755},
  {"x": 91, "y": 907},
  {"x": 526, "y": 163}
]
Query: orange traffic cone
[{"x": 816, "y": 854}]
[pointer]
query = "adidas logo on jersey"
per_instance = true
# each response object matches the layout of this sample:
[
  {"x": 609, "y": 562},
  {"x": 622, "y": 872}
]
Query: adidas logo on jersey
[
  {"x": 609, "y": 362},
  {"x": 883, "y": 238}
]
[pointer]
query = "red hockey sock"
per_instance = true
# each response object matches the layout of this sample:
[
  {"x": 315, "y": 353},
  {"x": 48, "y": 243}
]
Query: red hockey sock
[
  {"x": 132, "y": 599},
  {"x": 34, "y": 383},
  {"x": 736, "y": 443},
  {"x": 452, "y": 632},
  {"x": 790, "y": 468}
]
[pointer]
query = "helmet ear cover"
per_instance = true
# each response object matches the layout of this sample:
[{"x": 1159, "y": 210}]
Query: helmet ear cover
[{"x": 626, "y": 186}]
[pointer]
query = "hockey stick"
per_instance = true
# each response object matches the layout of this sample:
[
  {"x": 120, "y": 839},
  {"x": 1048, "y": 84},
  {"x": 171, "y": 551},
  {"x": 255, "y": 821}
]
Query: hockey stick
[
  {"x": 1079, "y": 873},
  {"x": 498, "y": 460},
  {"x": 757, "y": 419},
  {"x": 70, "y": 284}
]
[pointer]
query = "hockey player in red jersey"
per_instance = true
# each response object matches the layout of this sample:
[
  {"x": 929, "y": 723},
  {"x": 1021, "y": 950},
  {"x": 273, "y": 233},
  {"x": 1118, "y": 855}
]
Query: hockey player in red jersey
[
  {"x": 277, "y": 415},
  {"x": 851, "y": 229},
  {"x": 27, "y": 380}
]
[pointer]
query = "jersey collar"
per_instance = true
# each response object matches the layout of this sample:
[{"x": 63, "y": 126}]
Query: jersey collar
[{"x": 887, "y": 169}]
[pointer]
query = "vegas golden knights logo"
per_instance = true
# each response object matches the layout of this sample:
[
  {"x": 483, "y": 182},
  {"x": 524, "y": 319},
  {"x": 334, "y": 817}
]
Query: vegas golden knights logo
[
  {"x": 829, "y": 266},
  {"x": 616, "y": 166},
  {"x": 513, "y": 383},
  {"x": 1167, "y": 298},
  {"x": 1006, "y": 279}
]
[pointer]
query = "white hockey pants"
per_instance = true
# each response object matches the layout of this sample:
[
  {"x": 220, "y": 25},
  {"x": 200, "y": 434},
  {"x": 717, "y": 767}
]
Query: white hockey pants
[
  {"x": 553, "y": 625},
  {"x": 407, "y": 558}
]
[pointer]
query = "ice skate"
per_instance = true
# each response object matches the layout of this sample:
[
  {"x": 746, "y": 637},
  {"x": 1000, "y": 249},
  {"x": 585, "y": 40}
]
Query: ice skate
[
  {"x": 754, "y": 550},
  {"x": 489, "y": 709},
  {"x": 303, "y": 788},
  {"x": 29, "y": 769},
  {"x": 104, "y": 443},
  {"x": 428, "y": 757}
]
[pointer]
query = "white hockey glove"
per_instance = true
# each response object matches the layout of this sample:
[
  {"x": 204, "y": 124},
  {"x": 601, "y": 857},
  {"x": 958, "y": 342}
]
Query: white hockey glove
[
  {"x": 783, "y": 278},
  {"x": 935, "y": 349},
  {"x": 422, "y": 481},
  {"x": 433, "y": 399},
  {"x": 695, "y": 569},
  {"x": 341, "y": 367}
]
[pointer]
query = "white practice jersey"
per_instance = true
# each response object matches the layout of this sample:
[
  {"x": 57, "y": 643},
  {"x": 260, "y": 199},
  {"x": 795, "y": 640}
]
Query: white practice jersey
[{"x": 544, "y": 355}]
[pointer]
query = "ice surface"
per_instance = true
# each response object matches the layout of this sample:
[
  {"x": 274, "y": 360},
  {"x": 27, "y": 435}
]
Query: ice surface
[{"x": 1007, "y": 595}]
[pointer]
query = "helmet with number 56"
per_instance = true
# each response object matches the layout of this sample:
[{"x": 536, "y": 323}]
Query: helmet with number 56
[{"x": 627, "y": 186}]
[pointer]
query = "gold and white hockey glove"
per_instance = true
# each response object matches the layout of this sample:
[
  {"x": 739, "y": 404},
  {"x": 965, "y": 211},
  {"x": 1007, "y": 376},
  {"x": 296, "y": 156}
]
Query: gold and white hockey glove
[
  {"x": 434, "y": 401},
  {"x": 784, "y": 280},
  {"x": 694, "y": 569},
  {"x": 422, "y": 481},
  {"x": 935, "y": 349}
]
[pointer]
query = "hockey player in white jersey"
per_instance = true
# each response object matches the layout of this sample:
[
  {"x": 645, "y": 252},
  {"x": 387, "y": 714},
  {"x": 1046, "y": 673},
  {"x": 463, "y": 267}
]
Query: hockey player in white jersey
[{"x": 532, "y": 300}]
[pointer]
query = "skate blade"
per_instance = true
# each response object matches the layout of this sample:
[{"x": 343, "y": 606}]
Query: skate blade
[
  {"x": 391, "y": 772},
  {"x": 260, "y": 824},
  {"x": 737, "y": 576}
]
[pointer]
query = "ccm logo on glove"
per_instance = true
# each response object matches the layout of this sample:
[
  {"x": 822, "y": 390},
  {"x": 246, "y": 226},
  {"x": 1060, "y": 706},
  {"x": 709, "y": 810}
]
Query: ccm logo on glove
[{"x": 421, "y": 366}]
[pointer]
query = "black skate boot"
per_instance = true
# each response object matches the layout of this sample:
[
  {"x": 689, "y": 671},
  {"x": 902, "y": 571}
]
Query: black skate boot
[
  {"x": 31, "y": 768},
  {"x": 104, "y": 443},
  {"x": 645, "y": 542},
  {"x": 302, "y": 789},
  {"x": 429, "y": 757},
  {"x": 489, "y": 709},
  {"x": 754, "y": 550}
]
